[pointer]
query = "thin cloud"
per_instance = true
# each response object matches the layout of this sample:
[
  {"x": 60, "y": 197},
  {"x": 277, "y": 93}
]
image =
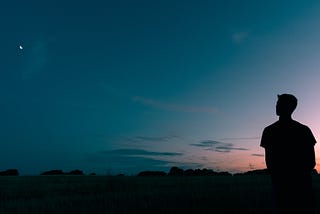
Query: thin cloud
[
  {"x": 207, "y": 143},
  {"x": 173, "y": 106},
  {"x": 153, "y": 139},
  {"x": 258, "y": 155},
  {"x": 133, "y": 160},
  {"x": 228, "y": 148},
  {"x": 139, "y": 152},
  {"x": 241, "y": 138},
  {"x": 128, "y": 164},
  {"x": 240, "y": 37},
  {"x": 217, "y": 146}
]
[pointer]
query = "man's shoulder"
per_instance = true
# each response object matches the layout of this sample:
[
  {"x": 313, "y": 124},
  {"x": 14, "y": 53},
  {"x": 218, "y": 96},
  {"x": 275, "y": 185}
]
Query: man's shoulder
[
  {"x": 278, "y": 124},
  {"x": 272, "y": 126},
  {"x": 300, "y": 125}
]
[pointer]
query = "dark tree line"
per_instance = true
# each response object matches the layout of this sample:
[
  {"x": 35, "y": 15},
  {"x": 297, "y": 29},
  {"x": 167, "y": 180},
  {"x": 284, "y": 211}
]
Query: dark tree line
[
  {"x": 9, "y": 172},
  {"x": 60, "y": 172},
  {"x": 176, "y": 171}
]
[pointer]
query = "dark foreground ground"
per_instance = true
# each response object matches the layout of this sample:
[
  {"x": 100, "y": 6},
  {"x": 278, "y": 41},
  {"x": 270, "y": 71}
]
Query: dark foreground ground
[{"x": 151, "y": 195}]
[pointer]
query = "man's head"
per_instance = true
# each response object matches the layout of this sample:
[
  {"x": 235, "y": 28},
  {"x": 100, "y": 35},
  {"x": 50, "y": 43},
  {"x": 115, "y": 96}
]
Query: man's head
[{"x": 286, "y": 104}]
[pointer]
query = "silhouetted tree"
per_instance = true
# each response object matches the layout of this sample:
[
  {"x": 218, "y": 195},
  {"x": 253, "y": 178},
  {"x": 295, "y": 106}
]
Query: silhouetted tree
[
  {"x": 53, "y": 172},
  {"x": 75, "y": 172},
  {"x": 205, "y": 172},
  {"x": 175, "y": 171},
  {"x": 189, "y": 172},
  {"x": 152, "y": 173},
  {"x": 257, "y": 172},
  {"x": 224, "y": 174},
  {"x": 10, "y": 172}
]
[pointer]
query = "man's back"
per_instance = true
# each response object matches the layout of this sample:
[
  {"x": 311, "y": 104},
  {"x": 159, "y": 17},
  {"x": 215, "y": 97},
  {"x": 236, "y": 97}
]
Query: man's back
[{"x": 289, "y": 147}]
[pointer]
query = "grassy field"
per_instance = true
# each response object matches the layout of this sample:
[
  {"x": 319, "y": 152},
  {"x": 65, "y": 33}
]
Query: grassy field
[{"x": 103, "y": 194}]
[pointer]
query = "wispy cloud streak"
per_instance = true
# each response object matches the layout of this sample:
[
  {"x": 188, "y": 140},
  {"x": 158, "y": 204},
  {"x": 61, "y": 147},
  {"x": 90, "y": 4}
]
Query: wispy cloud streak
[
  {"x": 172, "y": 106},
  {"x": 133, "y": 160},
  {"x": 258, "y": 155},
  {"x": 240, "y": 37},
  {"x": 207, "y": 143},
  {"x": 217, "y": 146},
  {"x": 241, "y": 138},
  {"x": 153, "y": 138},
  {"x": 139, "y": 152}
]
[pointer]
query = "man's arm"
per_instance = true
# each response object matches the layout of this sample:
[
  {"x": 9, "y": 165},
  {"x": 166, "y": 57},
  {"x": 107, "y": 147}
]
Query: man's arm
[
  {"x": 264, "y": 139},
  {"x": 311, "y": 141},
  {"x": 265, "y": 144}
]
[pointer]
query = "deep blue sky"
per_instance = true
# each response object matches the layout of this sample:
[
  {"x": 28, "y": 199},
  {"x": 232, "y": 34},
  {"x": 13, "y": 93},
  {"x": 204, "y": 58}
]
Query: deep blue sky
[{"x": 125, "y": 86}]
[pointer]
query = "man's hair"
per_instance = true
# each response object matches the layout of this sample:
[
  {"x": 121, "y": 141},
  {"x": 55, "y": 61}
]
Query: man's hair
[{"x": 289, "y": 101}]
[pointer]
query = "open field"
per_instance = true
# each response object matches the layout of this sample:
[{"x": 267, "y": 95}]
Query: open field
[{"x": 103, "y": 194}]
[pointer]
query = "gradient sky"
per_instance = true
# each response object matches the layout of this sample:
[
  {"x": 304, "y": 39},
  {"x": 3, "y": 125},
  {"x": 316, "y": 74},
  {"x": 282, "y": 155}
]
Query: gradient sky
[{"x": 122, "y": 86}]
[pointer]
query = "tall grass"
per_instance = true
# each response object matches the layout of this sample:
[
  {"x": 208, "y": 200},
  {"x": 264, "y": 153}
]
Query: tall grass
[{"x": 103, "y": 194}]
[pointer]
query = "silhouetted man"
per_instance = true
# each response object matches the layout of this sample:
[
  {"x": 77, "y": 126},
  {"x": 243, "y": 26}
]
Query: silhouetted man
[{"x": 290, "y": 159}]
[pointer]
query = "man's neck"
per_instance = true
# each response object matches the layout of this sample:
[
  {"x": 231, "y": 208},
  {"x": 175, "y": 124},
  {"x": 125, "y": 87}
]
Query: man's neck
[{"x": 285, "y": 118}]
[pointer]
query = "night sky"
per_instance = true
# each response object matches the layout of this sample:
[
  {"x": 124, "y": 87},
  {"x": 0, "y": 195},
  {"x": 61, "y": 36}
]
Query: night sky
[{"x": 124, "y": 86}]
